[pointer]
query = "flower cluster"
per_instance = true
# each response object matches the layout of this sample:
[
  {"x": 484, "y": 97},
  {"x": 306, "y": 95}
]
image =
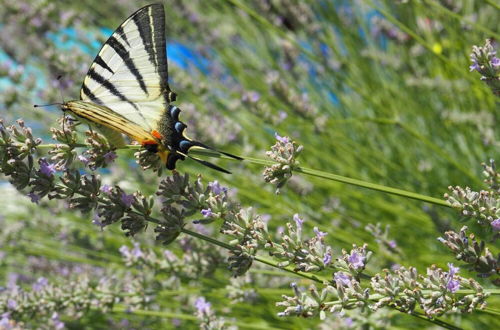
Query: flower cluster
[
  {"x": 74, "y": 296},
  {"x": 100, "y": 152},
  {"x": 196, "y": 261},
  {"x": 181, "y": 199},
  {"x": 382, "y": 237},
  {"x": 298, "y": 103},
  {"x": 483, "y": 206},
  {"x": 16, "y": 147},
  {"x": 206, "y": 315},
  {"x": 485, "y": 61},
  {"x": 476, "y": 254},
  {"x": 404, "y": 289},
  {"x": 285, "y": 153}
]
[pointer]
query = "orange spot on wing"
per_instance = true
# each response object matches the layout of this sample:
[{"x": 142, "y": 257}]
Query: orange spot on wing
[
  {"x": 156, "y": 134},
  {"x": 145, "y": 142}
]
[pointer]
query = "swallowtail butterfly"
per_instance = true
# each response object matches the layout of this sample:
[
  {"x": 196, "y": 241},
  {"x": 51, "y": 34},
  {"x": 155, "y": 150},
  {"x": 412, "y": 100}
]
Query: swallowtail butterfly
[{"x": 126, "y": 90}]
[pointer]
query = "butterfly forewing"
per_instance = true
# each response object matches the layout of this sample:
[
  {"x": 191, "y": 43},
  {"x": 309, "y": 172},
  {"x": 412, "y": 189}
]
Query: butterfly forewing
[{"x": 129, "y": 75}]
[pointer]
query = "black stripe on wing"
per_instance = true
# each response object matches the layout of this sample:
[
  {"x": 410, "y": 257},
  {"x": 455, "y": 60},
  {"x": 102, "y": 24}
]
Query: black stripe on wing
[
  {"x": 90, "y": 95},
  {"x": 125, "y": 55},
  {"x": 122, "y": 34},
  {"x": 98, "y": 59},
  {"x": 109, "y": 86},
  {"x": 156, "y": 45}
]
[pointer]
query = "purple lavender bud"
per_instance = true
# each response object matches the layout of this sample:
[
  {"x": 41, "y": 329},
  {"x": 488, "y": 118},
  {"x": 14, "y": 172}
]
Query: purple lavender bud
[
  {"x": 319, "y": 234},
  {"x": 5, "y": 321},
  {"x": 298, "y": 221},
  {"x": 96, "y": 220},
  {"x": 282, "y": 139},
  {"x": 109, "y": 157},
  {"x": 342, "y": 278},
  {"x": 58, "y": 324},
  {"x": 11, "y": 304},
  {"x": 106, "y": 189},
  {"x": 40, "y": 284},
  {"x": 327, "y": 258},
  {"x": 35, "y": 198},
  {"x": 453, "y": 270},
  {"x": 202, "y": 305},
  {"x": 47, "y": 168},
  {"x": 495, "y": 224},
  {"x": 207, "y": 213},
  {"x": 356, "y": 260},
  {"x": 136, "y": 251},
  {"x": 474, "y": 66},
  {"x": 127, "y": 200},
  {"x": 83, "y": 159},
  {"x": 393, "y": 245},
  {"x": 216, "y": 188},
  {"x": 125, "y": 251},
  {"x": 453, "y": 286},
  {"x": 495, "y": 62}
]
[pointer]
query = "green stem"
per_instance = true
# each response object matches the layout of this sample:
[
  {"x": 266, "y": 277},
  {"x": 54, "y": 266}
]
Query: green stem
[
  {"x": 260, "y": 259},
  {"x": 312, "y": 172}
]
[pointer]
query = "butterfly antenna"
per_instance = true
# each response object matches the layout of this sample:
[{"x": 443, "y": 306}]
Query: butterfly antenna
[{"x": 46, "y": 105}]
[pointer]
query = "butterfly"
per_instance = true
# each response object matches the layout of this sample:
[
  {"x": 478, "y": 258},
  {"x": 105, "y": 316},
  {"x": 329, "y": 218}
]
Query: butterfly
[{"x": 126, "y": 91}]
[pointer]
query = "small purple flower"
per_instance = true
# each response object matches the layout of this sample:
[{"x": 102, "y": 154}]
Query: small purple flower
[
  {"x": 453, "y": 269},
  {"x": 251, "y": 96},
  {"x": 282, "y": 139},
  {"x": 348, "y": 322},
  {"x": 127, "y": 200},
  {"x": 46, "y": 168},
  {"x": 319, "y": 234},
  {"x": 35, "y": 198},
  {"x": 265, "y": 218},
  {"x": 83, "y": 159},
  {"x": 125, "y": 251},
  {"x": 40, "y": 284},
  {"x": 58, "y": 324},
  {"x": 202, "y": 305},
  {"x": 495, "y": 62},
  {"x": 136, "y": 251},
  {"x": 216, "y": 188},
  {"x": 392, "y": 244},
  {"x": 356, "y": 260},
  {"x": 453, "y": 286},
  {"x": 342, "y": 278},
  {"x": 106, "y": 189},
  {"x": 109, "y": 157},
  {"x": 207, "y": 213},
  {"x": 96, "y": 220},
  {"x": 327, "y": 258},
  {"x": 474, "y": 66},
  {"x": 496, "y": 224},
  {"x": 11, "y": 304},
  {"x": 298, "y": 221},
  {"x": 5, "y": 321},
  {"x": 282, "y": 115}
]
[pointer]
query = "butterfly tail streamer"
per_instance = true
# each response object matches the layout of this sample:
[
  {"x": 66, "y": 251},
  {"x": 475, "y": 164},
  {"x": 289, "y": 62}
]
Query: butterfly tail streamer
[{"x": 204, "y": 146}]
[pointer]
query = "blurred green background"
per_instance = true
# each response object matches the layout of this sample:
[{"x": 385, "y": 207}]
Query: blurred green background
[{"x": 374, "y": 90}]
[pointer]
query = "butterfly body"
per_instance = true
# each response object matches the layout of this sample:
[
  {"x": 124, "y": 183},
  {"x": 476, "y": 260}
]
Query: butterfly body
[{"x": 126, "y": 90}]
